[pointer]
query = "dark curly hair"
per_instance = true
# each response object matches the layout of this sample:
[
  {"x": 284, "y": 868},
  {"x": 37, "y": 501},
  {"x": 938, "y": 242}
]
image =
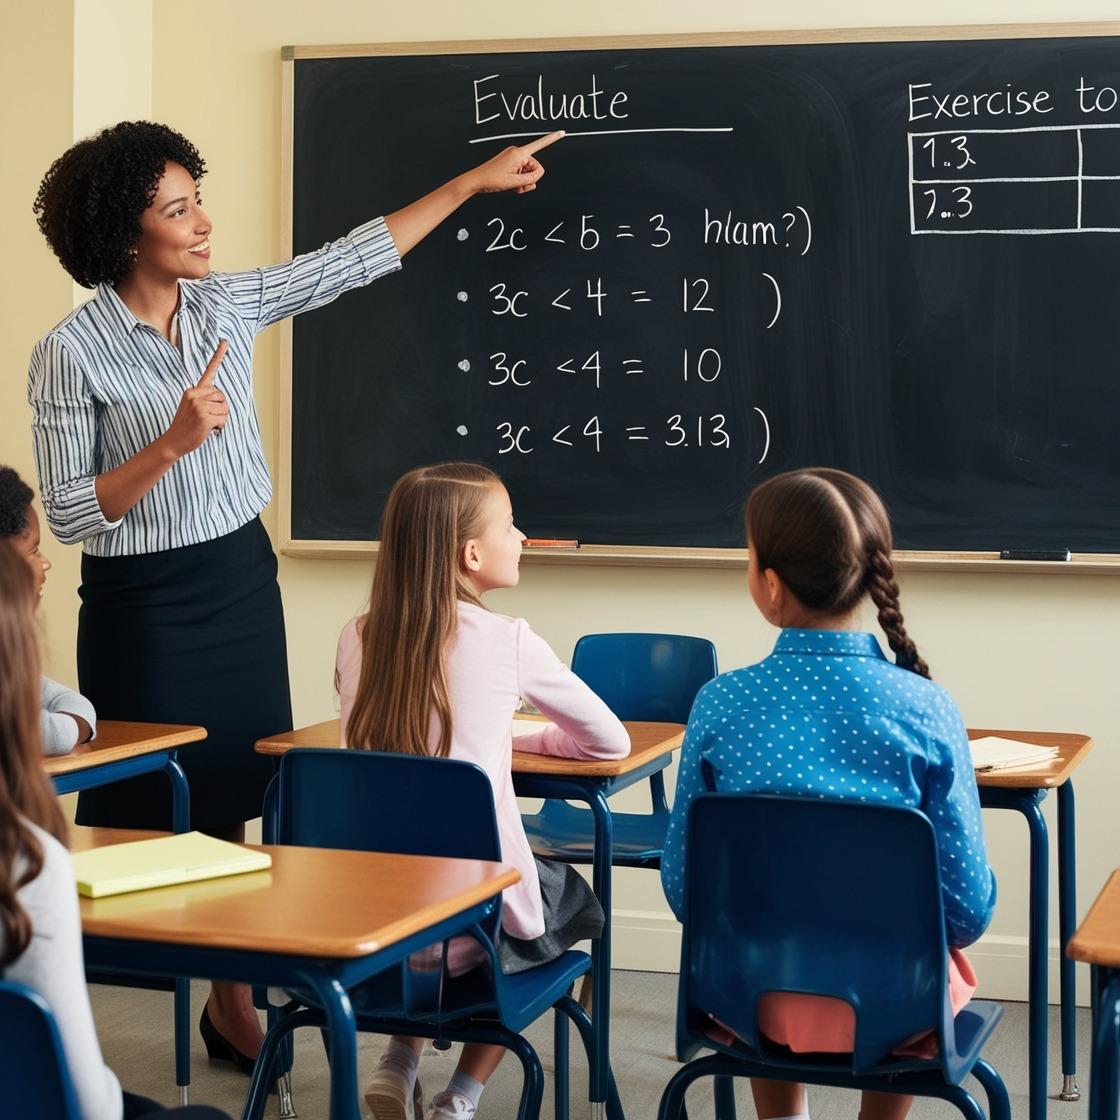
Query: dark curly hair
[
  {"x": 15, "y": 497},
  {"x": 90, "y": 201}
]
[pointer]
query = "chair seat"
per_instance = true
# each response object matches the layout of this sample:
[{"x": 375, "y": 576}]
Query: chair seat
[
  {"x": 566, "y": 833},
  {"x": 972, "y": 1026}
]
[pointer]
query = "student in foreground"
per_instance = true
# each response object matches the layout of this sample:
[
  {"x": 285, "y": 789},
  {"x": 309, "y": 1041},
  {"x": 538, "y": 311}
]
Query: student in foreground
[
  {"x": 430, "y": 671},
  {"x": 66, "y": 717},
  {"x": 40, "y": 931},
  {"x": 820, "y": 544}
]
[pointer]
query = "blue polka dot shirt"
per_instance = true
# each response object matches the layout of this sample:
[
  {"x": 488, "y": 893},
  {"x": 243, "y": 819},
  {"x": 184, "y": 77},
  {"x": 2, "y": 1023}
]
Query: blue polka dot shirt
[{"x": 827, "y": 715}]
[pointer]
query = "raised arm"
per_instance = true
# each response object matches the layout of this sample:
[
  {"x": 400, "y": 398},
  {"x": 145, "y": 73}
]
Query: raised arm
[{"x": 515, "y": 168}]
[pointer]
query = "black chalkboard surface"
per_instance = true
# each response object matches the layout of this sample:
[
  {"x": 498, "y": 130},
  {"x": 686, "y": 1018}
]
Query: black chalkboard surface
[{"x": 898, "y": 258}]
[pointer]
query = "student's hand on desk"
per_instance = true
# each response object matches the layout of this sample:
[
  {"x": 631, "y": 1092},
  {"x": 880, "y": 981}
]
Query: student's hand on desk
[
  {"x": 515, "y": 169},
  {"x": 202, "y": 409}
]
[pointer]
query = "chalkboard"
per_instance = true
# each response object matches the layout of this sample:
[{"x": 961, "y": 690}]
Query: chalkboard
[{"x": 896, "y": 257}]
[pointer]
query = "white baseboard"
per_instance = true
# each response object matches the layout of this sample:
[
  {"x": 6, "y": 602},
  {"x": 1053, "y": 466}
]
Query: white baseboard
[{"x": 648, "y": 941}]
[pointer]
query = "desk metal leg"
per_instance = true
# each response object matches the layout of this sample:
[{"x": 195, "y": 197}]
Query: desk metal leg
[
  {"x": 342, "y": 1051},
  {"x": 1029, "y": 803},
  {"x": 1067, "y": 923},
  {"x": 181, "y": 822},
  {"x": 601, "y": 955}
]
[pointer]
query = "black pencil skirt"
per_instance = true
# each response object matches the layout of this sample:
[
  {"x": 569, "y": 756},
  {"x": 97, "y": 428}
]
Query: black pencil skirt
[{"x": 190, "y": 635}]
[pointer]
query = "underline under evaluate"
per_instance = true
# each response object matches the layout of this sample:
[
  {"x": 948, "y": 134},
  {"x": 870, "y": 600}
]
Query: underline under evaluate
[{"x": 595, "y": 132}]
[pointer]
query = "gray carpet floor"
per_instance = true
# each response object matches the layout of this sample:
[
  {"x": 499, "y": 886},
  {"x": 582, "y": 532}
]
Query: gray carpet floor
[{"x": 136, "y": 1036}]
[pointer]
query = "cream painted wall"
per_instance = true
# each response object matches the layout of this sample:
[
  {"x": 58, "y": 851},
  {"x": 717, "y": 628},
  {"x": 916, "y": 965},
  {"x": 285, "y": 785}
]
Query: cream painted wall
[{"x": 1016, "y": 651}]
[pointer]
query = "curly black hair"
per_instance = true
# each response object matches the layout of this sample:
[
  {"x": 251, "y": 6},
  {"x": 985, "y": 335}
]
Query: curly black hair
[
  {"x": 90, "y": 201},
  {"x": 15, "y": 497}
]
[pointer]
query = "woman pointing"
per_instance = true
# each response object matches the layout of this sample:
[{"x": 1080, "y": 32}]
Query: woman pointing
[{"x": 149, "y": 453}]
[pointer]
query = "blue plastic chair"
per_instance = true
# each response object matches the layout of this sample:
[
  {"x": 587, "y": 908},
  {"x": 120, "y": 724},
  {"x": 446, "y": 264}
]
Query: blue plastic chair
[
  {"x": 834, "y": 898},
  {"x": 34, "y": 1077},
  {"x": 641, "y": 677},
  {"x": 377, "y": 801}
]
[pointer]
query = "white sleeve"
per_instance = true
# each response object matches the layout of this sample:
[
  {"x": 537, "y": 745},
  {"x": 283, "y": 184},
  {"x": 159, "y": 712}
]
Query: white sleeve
[
  {"x": 585, "y": 726},
  {"x": 52, "y": 964}
]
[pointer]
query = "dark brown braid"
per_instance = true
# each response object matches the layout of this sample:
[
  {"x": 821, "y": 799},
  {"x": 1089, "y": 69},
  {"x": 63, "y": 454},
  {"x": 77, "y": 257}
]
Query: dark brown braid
[{"x": 883, "y": 589}]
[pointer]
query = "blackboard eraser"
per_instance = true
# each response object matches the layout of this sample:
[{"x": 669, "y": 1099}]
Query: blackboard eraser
[
  {"x": 549, "y": 542},
  {"x": 1036, "y": 554}
]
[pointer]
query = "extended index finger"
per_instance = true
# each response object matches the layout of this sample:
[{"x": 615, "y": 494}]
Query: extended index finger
[
  {"x": 211, "y": 371},
  {"x": 542, "y": 142}
]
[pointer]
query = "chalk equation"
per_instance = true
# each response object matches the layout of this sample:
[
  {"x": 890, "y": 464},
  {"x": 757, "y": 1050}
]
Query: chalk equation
[
  {"x": 679, "y": 430},
  {"x": 791, "y": 230}
]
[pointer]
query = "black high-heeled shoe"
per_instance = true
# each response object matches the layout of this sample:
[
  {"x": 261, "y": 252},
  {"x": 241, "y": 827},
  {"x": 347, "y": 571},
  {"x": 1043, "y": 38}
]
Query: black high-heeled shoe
[{"x": 219, "y": 1048}]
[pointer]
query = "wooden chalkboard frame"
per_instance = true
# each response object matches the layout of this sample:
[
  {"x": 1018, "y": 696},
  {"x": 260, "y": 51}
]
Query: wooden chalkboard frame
[{"x": 624, "y": 555}]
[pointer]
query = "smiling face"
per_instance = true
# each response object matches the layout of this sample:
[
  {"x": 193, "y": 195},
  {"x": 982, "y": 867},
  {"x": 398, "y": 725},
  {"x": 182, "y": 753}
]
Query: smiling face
[
  {"x": 491, "y": 559},
  {"x": 26, "y": 543},
  {"x": 175, "y": 233}
]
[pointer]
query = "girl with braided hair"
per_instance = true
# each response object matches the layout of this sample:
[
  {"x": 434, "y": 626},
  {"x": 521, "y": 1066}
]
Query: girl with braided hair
[{"x": 828, "y": 715}]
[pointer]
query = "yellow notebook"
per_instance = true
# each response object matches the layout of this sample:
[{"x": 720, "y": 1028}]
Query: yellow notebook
[{"x": 161, "y": 861}]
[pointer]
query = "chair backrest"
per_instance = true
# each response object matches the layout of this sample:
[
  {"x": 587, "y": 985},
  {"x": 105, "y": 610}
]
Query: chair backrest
[
  {"x": 834, "y": 898},
  {"x": 386, "y": 802},
  {"x": 646, "y": 676},
  {"x": 379, "y": 801},
  {"x": 34, "y": 1078}
]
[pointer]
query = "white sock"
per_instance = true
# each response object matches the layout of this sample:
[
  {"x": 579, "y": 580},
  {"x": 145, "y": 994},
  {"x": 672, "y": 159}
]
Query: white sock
[
  {"x": 404, "y": 1057},
  {"x": 465, "y": 1086}
]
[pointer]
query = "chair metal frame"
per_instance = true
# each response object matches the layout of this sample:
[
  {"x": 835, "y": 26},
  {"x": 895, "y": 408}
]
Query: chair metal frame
[{"x": 832, "y": 898}]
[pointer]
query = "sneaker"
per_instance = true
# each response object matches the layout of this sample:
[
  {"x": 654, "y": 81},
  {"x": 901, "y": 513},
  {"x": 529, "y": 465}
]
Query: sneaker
[
  {"x": 450, "y": 1106},
  {"x": 387, "y": 1095}
]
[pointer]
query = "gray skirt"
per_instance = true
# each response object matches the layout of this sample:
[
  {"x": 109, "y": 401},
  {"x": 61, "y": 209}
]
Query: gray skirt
[{"x": 571, "y": 914}]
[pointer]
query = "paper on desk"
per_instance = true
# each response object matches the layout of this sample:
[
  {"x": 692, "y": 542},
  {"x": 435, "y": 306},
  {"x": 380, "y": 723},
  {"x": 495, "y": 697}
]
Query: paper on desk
[
  {"x": 992, "y": 752},
  {"x": 161, "y": 861}
]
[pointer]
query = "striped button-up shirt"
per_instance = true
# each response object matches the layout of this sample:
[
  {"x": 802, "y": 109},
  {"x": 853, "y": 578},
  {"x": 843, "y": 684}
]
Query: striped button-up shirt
[{"x": 103, "y": 385}]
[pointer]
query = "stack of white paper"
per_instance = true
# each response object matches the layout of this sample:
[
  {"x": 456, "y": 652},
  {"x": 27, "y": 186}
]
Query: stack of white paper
[{"x": 991, "y": 752}]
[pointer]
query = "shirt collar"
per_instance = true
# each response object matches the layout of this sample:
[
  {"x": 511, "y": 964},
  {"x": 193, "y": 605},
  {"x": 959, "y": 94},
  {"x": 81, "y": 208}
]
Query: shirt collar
[
  {"x": 841, "y": 643},
  {"x": 113, "y": 308},
  {"x": 118, "y": 315}
]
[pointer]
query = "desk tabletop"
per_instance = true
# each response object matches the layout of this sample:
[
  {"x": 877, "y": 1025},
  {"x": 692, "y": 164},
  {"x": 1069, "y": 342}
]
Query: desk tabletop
[
  {"x": 1072, "y": 749},
  {"x": 1097, "y": 940},
  {"x": 117, "y": 739},
  {"x": 647, "y": 741},
  {"x": 319, "y": 902}
]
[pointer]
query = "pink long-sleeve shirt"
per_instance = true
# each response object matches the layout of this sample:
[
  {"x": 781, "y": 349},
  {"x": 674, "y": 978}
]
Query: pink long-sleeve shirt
[{"x": 493, "y": 663}]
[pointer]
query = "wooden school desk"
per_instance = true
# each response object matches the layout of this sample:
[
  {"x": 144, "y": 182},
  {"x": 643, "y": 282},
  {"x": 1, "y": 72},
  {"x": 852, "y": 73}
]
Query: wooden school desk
[
  {"x": 124, "y": 749},
  {"x": 319, "y": 919},
  {"x": 571, "y": 779},
  {"x": 1024, "y": 790},
  {"x": 1097, "y": 942}
]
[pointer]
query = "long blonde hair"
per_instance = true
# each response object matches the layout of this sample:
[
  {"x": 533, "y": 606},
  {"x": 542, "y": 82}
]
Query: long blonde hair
[
  {"x": 26, "y": 793},
  {"x": 418, "y": 582}
]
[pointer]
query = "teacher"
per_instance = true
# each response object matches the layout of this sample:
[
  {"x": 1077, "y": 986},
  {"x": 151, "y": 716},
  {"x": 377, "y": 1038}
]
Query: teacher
[{"x": 149, "y": 453}]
